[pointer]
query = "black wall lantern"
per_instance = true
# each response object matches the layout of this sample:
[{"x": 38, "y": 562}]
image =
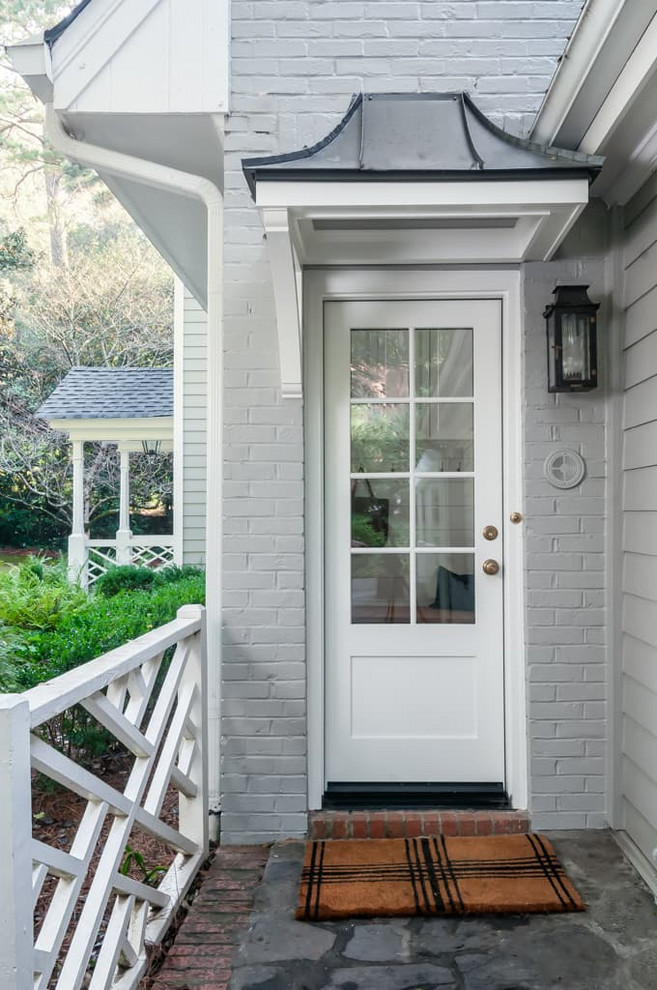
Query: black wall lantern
[
  {"x": 571, "y": 325},
  {"x": 151, "y": 446}
]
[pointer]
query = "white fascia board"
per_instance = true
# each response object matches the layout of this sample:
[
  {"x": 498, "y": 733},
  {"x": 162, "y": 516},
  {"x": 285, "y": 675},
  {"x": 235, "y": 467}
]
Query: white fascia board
[
  {"x": 466, "y": 196},
  {"x": 595, "y": 23},
  {"x": 116, "y": 430},
  {"x": 634, "y": 76},
  {"x": 31, "y": 60}
]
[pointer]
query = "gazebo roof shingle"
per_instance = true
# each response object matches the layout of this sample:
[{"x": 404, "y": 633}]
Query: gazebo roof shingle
[{"x": 111, "y": 393}]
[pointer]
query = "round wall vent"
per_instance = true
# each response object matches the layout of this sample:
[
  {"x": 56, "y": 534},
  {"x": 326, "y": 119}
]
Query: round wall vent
[{"x": 564, "y": 468}]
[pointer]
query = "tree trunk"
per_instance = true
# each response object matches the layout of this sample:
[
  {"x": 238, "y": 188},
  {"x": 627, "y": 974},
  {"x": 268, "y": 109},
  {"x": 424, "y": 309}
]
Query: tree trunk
[{"x": 58, "y": 249}]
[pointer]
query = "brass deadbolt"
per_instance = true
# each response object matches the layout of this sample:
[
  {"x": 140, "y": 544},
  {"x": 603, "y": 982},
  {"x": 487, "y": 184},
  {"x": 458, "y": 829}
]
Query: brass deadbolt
[
  {"x": 490, "y": 532},
  {"x": 490, "y": 567}
]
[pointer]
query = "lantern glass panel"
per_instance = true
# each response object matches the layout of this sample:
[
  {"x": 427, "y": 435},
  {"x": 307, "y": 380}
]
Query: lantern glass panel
[{"x": 576, "y": 347}]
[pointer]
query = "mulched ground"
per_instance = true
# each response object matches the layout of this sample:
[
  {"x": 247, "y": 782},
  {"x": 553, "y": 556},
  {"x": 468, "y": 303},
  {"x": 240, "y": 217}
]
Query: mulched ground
[
  {"x": 21, "y": 552},
  {"x": 56, "y": 816}
]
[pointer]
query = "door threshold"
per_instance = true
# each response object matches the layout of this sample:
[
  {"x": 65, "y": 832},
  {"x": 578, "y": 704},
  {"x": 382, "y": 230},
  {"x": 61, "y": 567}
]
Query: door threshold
[
  {"x": 341, "y": 796},
  {"x": 413, "y": 823}
]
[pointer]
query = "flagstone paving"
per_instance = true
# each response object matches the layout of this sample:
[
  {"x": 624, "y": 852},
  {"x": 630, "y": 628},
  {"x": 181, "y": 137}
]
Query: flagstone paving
[{"x": 612, "y": 946}]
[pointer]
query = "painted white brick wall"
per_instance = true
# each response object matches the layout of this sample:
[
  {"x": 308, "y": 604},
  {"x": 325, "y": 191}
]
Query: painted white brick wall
[
  {"x": 295, "y": 65},
  {"x": 565, "y": 576}
]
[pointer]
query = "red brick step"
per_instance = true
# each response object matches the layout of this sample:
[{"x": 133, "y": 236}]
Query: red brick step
[{"x": 408, "y": 824}]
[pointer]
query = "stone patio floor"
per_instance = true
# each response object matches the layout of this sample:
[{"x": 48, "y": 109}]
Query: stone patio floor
[{"x": 612, "y": 946}]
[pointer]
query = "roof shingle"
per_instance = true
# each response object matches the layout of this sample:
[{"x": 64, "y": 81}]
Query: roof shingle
[{"x": 111, "y": 393}]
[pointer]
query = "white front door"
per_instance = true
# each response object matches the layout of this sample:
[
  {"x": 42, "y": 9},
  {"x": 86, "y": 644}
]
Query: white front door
[{"x": 413, "y": 483}]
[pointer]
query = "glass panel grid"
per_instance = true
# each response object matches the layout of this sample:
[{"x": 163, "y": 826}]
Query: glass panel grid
[
  {"x": 461, "y": 557},
  {"x": 379, "y": 363}
]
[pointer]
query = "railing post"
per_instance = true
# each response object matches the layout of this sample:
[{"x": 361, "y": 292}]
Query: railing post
[
  {"x": 16, "y": 925},
  {"x": 194, "y": 812}
]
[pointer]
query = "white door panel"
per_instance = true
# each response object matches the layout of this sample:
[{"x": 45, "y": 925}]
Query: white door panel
[{"x": 414, "y": 636}]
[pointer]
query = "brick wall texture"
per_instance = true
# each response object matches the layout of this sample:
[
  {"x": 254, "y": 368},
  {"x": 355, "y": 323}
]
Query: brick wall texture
[{"x": 295, "y": 64}]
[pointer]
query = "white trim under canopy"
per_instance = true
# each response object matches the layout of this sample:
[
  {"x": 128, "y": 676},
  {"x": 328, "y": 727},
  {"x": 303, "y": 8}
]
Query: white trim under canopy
[{"x": 410, "y": 179}]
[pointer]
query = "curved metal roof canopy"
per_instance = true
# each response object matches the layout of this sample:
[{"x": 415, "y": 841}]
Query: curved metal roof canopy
[
  {"x": 412, "y": 179},
  {"x": 419, "y": 136}
]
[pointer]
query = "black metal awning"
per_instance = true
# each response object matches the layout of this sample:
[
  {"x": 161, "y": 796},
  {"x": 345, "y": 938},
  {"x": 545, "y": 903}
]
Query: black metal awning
[{"x": 419, "y": 136}]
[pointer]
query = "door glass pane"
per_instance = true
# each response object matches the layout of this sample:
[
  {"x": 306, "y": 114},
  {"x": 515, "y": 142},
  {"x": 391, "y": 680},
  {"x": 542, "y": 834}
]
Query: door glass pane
[
  {"x": 445, "y": 585},
  {"x": 379, "y": 437},
  {"x": 380, "y": 589},
  {"x": 443, "y": 362},
  {"x": 379, "y": 513},
  {"x": 379, "y": 364},
  {"x": 444, "y": 512},
  {"x": 444, "y": 436}
]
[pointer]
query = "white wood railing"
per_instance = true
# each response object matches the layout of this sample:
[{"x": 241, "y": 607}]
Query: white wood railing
[
  {"x": 140, "y": 551},
  {"x": 157, "y": 712}
]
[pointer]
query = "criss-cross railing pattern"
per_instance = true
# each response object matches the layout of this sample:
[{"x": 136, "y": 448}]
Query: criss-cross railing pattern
[
  {"x": 154, "y": 707},
  {"x": 142, "y": 551},
  {"x": 151, "y": 554},
  {"x": 100, "y": 558}
]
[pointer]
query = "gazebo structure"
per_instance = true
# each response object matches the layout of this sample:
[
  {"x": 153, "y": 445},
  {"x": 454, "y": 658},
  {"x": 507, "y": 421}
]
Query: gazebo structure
[{"x": 133, "y": 408}]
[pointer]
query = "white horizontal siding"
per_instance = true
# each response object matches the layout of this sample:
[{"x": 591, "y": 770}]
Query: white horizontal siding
[
  {"x": 195, "y": 430},
  {"x": 638, "y": 775},
  {"x": 640, "y": 576}
]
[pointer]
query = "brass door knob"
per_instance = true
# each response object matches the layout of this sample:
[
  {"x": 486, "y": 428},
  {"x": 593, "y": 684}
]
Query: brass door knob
[{"x": 490, "y": 567}]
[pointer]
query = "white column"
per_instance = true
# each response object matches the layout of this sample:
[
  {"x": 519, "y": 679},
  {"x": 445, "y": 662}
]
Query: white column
[
  {"x": 77, "y": 543},
  {"x": 17, "y": 940},
  {"x": 123, "y": 535}
]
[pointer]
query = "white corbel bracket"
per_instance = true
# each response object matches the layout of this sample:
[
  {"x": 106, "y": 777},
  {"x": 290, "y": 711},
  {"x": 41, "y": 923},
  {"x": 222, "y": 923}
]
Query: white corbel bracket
[{"x": 286, "y": 277}]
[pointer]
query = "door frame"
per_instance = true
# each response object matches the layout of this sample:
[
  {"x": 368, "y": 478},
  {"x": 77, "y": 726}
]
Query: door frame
[{"x": 340, "y": 284}]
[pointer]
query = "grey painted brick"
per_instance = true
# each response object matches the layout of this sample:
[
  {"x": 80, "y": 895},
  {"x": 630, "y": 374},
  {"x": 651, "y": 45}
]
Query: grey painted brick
[
  {"x": 295, "y": 64},
  {"x": 558, "y": 819}
]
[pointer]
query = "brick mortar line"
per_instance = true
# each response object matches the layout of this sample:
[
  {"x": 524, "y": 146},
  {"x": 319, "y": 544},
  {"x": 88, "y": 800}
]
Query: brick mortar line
[{"x": 201, "y": 956}]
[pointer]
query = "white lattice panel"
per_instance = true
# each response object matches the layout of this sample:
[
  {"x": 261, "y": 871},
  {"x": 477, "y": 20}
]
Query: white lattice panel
[
  {"x": 151, "y": 556},
  {"x": 100, "y": 560}
]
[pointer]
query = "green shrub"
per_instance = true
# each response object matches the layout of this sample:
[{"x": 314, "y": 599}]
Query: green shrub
[
  {"x": 29, "y": 527},
  {"x": 125, "y": 578},
  {"x": 128, "y": 578},
  {"x": 168, "y": 575},
  {"x": 106, "y": 623},
  {"x": 38, "y": 595}
]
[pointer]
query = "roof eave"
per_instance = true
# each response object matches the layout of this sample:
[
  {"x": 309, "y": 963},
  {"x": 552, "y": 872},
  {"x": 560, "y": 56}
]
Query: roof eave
[
  {"x": 31, "y": 60},
  {"x": 592, "y": 29}
]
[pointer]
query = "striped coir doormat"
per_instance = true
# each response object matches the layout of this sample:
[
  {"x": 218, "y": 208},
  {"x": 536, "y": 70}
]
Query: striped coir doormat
[{"x": 501, "y": 874}]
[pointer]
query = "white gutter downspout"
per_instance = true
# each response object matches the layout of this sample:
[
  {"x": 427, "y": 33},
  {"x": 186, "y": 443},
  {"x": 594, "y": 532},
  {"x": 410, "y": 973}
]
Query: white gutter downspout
[{"x": 196, "y": 187}]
